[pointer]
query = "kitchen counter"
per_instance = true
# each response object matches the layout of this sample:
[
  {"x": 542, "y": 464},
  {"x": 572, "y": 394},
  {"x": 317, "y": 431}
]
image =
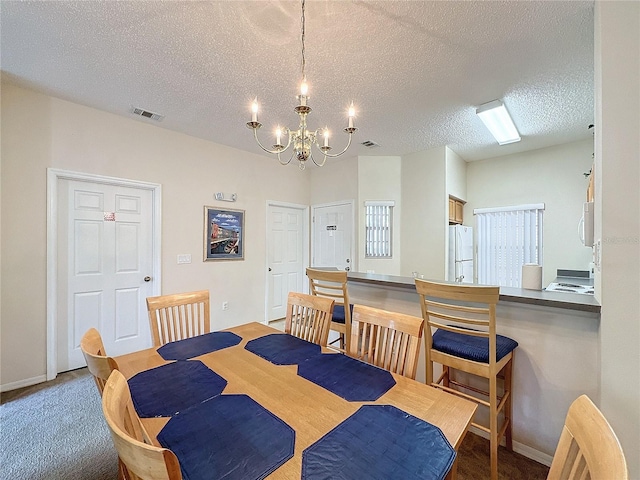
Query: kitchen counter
[
  {"x": 572, "y": 301},
  {"x": 557, "y": 355}
]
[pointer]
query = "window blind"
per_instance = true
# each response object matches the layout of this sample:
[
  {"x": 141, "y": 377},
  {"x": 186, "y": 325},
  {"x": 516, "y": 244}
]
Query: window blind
[
  {"x": 378, "y": 229},
  {"x": 507, "y": 238}
]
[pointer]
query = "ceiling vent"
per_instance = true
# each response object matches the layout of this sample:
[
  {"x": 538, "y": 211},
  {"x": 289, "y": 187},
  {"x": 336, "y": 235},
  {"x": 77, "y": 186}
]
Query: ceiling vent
[
  {"x": 147, "y": 114},
  {"x": 370, "y": 144}
]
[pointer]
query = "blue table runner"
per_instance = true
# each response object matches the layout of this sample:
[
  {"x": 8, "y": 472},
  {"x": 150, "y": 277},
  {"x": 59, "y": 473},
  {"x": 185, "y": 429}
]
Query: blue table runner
[
  {"x": 166, "y": 390},
  {"x": 379, "y": 442},
  {"x": 351, "y": 379},
  {"x": 198, "y": 345},
  {"x": 283, "y": 349},
  {"x": 228, "y": 437}
]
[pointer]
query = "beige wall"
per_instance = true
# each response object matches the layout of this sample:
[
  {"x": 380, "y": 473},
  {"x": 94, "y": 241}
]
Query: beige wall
[
  {"x": 617, "y": 80},
  {"x": 380, "y": 178},
  {"x": 40, "y": 131},
  {"x": 424, "y": 214},
  {"x": 553, "y": 176}
]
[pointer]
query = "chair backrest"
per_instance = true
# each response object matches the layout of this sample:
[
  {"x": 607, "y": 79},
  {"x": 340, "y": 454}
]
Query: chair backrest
[
  {"x": 178, "y": 316},
  {"x": 331, "y": 284},
  {"x": 588, "y": 446},
  {"x": 98, "y": 363},
  {"x": 441, "y": 309},
  {"x": 142, "y": 459},
  {"x": 389, "y": 340},
  {"x": 309, "y": 317}
]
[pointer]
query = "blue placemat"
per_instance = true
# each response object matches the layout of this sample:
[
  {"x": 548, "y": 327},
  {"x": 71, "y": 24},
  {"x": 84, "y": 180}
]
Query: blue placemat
[
  {"x": 283, "y": 349},
  {"x": 347, "y": 377},
  {"x": 228, "y": 437},
  {"x": 166, "y": 390},
  {"x": 198, "y": 345},
  {"x": 379, "y": 442}
]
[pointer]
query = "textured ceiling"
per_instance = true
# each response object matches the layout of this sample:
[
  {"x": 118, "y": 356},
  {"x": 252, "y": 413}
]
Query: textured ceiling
[{"x": 416, "y": 70}]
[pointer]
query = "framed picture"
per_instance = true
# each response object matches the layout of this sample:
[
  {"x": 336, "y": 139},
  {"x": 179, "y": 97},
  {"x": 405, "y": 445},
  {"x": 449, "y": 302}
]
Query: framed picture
[{"x": 223, "y": 234}]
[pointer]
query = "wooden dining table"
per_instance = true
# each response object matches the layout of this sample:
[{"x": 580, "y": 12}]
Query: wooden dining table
[{"x": 309, "y": 409}]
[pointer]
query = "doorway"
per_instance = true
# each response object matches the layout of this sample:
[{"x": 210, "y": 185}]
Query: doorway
[
  {"x": 103, "y": 260},
  {"x": 287, "y": 255},
  {"x": 333, "y": 236}
]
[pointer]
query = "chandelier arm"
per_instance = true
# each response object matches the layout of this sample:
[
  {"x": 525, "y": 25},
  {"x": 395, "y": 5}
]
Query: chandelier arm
[
  {"x": 274, "y": 152},
  {"x": 334, "y": 155},
  {"x": 280, "y": 159},
  {"x": 324, "y": 159}
]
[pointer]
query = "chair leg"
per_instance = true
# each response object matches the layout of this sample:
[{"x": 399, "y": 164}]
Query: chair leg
[
  {"x": 447, "y": 375},
  {"x": 123, "y": 473},
  {"x": 493, "y": 426},
  {"x": 508, "y": 405}
]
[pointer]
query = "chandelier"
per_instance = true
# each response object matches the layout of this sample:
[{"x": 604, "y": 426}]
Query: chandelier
[{"x": 301, "y": 138}]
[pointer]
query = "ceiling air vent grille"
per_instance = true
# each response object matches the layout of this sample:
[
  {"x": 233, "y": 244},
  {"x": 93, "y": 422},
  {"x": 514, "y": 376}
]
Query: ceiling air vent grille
[
  {"x": 370, "y": 144},
  {"x": 147, "y": 114}
]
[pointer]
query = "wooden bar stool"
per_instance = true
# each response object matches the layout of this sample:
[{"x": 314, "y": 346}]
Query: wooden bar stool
[
  {"x": 465, "y": 339},
  {"x": 333, "y": 284}
]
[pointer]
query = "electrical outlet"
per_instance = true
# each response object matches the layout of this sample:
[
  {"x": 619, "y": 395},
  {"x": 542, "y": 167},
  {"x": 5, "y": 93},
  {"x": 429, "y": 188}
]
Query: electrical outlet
[
  {"x": 225, "y": 305},
  {"x": 184, "y": 258}
]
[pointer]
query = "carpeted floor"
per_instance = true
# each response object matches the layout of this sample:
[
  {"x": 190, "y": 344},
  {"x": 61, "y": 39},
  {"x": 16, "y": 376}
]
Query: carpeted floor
[{"x": 55, "y": 431}]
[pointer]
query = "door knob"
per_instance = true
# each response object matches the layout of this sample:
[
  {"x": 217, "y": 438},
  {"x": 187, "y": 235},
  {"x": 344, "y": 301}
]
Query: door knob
[
  {"x": 347, "y": 269},
  {"x": 147, "y": 279},
  {"x": 269, "y": 268}
]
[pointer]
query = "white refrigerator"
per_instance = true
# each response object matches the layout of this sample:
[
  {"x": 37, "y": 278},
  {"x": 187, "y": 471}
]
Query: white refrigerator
[{"x": 460, "y": 254}]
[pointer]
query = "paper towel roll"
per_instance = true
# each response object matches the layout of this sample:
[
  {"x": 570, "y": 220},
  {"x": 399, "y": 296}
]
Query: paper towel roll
[{"x": 532, "y": 276}]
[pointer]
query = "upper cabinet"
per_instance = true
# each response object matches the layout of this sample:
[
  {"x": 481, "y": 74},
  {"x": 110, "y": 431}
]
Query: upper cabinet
[{"x": 456, "y": 207}]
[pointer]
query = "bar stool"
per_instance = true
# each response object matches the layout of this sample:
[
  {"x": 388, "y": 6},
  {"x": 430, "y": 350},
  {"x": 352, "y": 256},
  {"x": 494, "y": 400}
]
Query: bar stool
[
  {"x": 465, "y": 339},
  {"x": 333, "y": 284}
]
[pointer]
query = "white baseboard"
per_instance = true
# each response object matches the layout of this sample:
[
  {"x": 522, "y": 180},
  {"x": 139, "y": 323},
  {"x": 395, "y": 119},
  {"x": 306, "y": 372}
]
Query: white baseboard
[
  {"x": 27, "y": 382},
  {"x": 520, "y": 448}
]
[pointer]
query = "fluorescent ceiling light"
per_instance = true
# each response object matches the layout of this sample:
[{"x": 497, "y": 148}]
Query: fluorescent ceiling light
[{"x": 497, "y": 119}]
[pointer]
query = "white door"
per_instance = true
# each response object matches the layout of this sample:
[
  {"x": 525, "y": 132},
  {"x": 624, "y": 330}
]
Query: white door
[
  {"x": 333, "y": 236},
  {"x": 285, "y": 256},
  {"x": 105, "y": 253}
]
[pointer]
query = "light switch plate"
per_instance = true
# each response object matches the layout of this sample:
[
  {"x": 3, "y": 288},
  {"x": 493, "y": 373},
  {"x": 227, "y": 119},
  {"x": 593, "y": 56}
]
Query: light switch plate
[{"x": 184, "y": 258}]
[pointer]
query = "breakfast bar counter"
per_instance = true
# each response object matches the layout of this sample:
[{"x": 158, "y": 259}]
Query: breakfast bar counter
[
  {"x": 570, "y": 301},
  {"x": 556, "y": 361}
]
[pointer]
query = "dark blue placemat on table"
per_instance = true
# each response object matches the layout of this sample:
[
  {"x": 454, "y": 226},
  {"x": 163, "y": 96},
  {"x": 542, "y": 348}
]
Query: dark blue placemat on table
[
  {"x": 283, "y": 349},
  {"x": 198, "y": 345},
  {"x": 379, "y": 442},
  {"x": 163, "y": 391},
  {"x": 347, "y": 377},
  {"x": 228, "y": 437}
]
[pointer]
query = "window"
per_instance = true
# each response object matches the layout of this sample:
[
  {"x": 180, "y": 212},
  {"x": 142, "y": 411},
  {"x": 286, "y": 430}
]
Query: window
[
  {"x": 508, "y": 237},
  {"x": 378, "y": 221}
]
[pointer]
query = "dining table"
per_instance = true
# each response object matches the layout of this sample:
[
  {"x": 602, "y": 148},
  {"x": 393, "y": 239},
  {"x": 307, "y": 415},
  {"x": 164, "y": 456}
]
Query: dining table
[{"x": 254, "y": 402}]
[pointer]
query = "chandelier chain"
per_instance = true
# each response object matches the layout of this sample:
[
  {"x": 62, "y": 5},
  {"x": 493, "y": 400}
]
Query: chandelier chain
[{"x": 302, "y": 39}]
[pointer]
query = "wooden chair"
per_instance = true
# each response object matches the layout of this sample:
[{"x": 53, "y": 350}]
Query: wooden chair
[
  {"x": 178, "y": 316},
  {"x": 100, "y": 366},
  {"x": 309, "y": 317},
  {"x": 143, "y": 460},
  {"x": 466, "y": 340},
  {"x": 588, "y": 446},
  {"x": 333, "y": 284},
  {"x": 388, "y": 340},
  {"x": 98, "y": 363}
]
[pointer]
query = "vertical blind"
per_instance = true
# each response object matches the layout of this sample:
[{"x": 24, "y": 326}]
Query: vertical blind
[
  {"x": 378, "y": 223},
  {"x": 507, "y": 238}
]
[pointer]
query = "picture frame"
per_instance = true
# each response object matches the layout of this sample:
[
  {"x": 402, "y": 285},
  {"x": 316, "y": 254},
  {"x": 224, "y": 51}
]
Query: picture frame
[{"x": 223, "y": 234}]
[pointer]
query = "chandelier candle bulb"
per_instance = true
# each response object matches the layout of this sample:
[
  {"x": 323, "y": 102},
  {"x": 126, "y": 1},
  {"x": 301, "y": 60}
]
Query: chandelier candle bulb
[
  {"x": 352, "y": 113},
  {"x": 254, "y": 110},
  {"x": 278, "y": 135},
  {"x": 326, "y": 137}
]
